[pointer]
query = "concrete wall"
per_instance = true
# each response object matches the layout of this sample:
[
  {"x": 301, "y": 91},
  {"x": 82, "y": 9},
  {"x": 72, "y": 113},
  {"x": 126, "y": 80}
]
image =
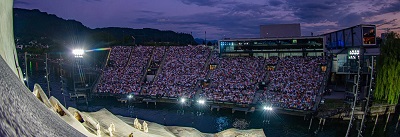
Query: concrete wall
[{"x": 7, "y": 45}]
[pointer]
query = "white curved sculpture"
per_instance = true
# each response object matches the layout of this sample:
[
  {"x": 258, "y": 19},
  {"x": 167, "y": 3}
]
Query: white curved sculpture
[
  {"x": 111, "y": 129},
  {"x": 39, "y": 93},
  {"x": 98, "y": 131},
  {"x": 135, "y": 123},
  {"x": 139, "y": 126},
  {"x": 7, "y": 45},
  {"x": 145, "y": 128},
  {"x": 68, "y": 117}
]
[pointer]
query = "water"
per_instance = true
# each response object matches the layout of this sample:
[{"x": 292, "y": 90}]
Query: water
[{"x": 211, "y": 121}]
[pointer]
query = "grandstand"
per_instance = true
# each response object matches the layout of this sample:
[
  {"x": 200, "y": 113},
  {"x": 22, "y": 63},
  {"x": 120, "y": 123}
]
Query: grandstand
[
  {"x": 235, "y": 79},
  {"x": 182, "y": 68},
  {"x": 292, "y": 82}
]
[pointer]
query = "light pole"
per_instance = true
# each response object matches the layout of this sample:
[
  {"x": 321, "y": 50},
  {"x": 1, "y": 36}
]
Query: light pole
[
  {"x": 131, "y": 107},
  {"x": 182, "y": 101},
  {"x": 62, "y": 81},
  {"x": 63, "y": 90},
  {"x": 201, "y": 103},
  {"x": 78, "y": 54},
  {"x": 26, "y": 70},
  {"x": 47, "y": 76}
]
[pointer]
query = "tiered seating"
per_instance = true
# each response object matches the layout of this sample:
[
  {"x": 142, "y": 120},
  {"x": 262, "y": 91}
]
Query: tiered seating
[
  {"x": 126, "y": 67},
  {"x": 136, "y": 68},
  {"x": 295, "y": 83},
  {"x": 112, "y": 74},
  {"x": 235, "y": 79},
  {"x": 183, "y": 67},
  {"x": 272, "y": 60},
  {"x": 157, "y": 56}
]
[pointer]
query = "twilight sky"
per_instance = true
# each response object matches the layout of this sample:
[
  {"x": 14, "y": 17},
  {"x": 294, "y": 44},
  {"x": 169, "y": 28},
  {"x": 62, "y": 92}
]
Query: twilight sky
[{"x": 229, "y": 18}]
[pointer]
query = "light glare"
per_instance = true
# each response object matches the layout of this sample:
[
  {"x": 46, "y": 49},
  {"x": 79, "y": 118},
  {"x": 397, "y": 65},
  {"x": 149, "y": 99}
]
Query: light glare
[
  {"x": 202, "y": 101},
  {"x": 267, "y": 108},
  {"x": 183, "y": 100},
  {"x": 78, "y": 52}
]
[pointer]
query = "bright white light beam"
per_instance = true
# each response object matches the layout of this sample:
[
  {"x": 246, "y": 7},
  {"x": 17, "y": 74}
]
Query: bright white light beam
[
  {"x": 201, "y": 101},
  {"x": 78, "y": 52}
]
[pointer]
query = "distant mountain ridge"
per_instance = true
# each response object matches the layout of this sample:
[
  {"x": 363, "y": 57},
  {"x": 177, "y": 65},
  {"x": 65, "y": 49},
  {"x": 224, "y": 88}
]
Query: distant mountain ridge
[
  {"x": 200, "y": 41},
  {"x": 34, "y": 25}
]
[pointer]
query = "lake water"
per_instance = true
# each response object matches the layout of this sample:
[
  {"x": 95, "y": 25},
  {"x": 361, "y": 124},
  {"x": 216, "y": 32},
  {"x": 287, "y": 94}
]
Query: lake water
[{"x": 211, "y": 121}]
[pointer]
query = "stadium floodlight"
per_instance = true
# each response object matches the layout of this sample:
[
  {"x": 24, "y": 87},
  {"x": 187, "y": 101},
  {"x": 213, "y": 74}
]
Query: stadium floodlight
[
  {"x": 78, "y": 53},
  {"x": 202, "y": 101},
  {"x": 267, "y": 108},
  {"x": 183, "y": 100}
]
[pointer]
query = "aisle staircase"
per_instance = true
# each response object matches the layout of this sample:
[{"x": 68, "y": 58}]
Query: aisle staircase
[
  {"x": 150, "y": 60},
  {"x": 94, "y": 86},
  {"x": 257, "y": 96},
  {"x": 161, "y": 64}
]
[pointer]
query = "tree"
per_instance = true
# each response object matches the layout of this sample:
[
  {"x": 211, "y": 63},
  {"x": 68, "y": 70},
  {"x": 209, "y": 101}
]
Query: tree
[
  {"x": 388, "y": 70},
  {"x": 209, "y": 43}
]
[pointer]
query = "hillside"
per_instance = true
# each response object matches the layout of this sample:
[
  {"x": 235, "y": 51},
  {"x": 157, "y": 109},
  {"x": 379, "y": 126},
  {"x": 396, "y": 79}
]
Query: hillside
[{"x": 36, "y": 27}]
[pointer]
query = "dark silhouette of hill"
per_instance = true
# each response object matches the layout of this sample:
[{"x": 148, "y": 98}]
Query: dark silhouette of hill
[
  {"x": 34, "y": 25},
  {"x": 201, "y": 41}
]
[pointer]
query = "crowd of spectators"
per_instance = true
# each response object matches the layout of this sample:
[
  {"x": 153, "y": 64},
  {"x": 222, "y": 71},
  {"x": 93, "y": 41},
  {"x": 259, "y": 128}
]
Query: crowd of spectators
[
  {"x": 235, "y": 79},
  {"x": 157, "y": 56},
  {"x": 125, "y": 69},
  {"x": 183, "y": 67},
  {"x": 292, "y": 82},
  {"x": 136, "y": 67},
  {"x": 272, "y": 60},
  {"x": 295, "y": 82}
]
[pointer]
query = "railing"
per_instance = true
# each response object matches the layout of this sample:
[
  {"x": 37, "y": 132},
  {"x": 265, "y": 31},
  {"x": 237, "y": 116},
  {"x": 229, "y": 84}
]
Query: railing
[
  {"x": 94, "y": 86},
  {"x": 161, "y": 64},
  {"x": 323, "y": 84},
  {"x": 147, "y": 66},
  {"x": 206, "y": 65}
]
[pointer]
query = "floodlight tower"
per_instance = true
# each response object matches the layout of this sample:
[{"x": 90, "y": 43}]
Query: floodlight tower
[{"x": 77, "y": 69}]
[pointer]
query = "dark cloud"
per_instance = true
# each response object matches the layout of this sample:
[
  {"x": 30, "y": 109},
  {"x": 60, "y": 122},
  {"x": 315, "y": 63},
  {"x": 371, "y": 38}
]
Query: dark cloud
[
  {"x": 275, "y": 3},
  {"x": 391, "y": 8},
  {"x": 19, "y": 2},
  {"x": 350, "y": 20},
  {"x": 234, "y": 22},
  {"x": 232, "y": 18},
  {"x": 312, "y": 11},
  {"x": 92, "y": 0},
  {"x": 149, "y": 12},
  {"x": 202, "y": 2}
]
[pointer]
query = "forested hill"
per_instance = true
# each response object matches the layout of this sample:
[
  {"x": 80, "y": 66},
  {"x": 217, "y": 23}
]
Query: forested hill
[{"x": 48, "y": 29}]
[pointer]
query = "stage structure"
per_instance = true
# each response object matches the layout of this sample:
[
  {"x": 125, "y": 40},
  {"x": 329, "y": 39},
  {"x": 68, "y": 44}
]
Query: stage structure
[{"x": 353, "y": 52}]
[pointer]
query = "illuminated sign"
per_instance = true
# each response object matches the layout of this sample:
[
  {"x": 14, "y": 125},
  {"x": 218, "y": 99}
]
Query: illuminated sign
[{"x": 353, "y": 54}]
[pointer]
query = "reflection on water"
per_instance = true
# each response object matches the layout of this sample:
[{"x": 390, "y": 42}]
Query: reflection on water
[
  {"x": 273, "y": 124},
  {"x": 222, "y": 123}
]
